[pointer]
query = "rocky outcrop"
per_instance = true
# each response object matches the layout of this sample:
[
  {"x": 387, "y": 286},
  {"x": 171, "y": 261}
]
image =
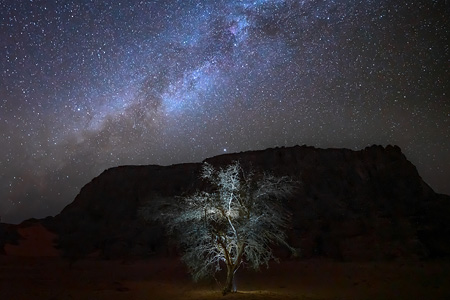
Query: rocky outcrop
[
  {"x": 8, "y": 235},
  {"x": 358, "y": 205},
  {"x": 104, "y": 214},
  {"x": 351, "y": 205}
]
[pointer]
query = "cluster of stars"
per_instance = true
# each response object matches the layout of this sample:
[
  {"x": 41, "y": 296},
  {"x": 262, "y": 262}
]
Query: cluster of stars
[{"x": 87, "y": 85}]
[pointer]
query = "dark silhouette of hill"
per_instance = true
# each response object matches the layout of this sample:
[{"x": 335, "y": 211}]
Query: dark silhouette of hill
[{"x": 351, "y": 205}]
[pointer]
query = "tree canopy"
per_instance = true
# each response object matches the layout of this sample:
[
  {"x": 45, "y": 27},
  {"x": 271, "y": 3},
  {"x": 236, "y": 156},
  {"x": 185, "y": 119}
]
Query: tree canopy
[{"x": 235, "y": 220}]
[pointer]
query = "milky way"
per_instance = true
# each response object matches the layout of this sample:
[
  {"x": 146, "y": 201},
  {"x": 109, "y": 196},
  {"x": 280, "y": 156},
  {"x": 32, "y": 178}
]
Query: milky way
[{"x": 88, "y": 85}]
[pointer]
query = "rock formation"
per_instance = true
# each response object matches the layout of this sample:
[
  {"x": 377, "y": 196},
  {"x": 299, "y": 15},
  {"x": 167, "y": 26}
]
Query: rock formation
[{"x": 351, "y": 205}]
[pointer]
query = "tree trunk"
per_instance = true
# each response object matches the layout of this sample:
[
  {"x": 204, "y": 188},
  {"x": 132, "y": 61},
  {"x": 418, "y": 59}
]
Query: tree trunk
[{"x": 230, "y": 280}]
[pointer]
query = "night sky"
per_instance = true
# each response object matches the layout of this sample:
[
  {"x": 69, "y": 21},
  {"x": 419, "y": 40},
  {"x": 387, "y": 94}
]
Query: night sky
[{"x": 88, "y": 85}]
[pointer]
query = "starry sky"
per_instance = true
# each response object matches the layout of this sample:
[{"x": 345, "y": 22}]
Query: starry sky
[{"x": 88, "y": 85}]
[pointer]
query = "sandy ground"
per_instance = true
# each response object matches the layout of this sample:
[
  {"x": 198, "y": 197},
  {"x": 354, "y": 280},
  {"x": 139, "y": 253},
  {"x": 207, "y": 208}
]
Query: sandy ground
[
  {"x": 53, "y": 278},
  {"x": 33, "y": 269},
  {"x": 36, "y": 241}
]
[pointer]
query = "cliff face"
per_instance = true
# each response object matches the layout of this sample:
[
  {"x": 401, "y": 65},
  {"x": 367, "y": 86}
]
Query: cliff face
[{"x": 352, "y": 205}]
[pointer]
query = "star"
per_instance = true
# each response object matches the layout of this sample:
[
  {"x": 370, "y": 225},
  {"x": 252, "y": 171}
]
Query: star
[{"x": 87, "y": 86}]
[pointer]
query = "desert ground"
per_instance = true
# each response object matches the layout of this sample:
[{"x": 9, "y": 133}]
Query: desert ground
[
  {"x": 35, "y": 270},
  {"x": 166, "y": 278}
]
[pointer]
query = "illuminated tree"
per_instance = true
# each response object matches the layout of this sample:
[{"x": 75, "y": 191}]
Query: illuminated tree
[{"x": 234, "y": 222}]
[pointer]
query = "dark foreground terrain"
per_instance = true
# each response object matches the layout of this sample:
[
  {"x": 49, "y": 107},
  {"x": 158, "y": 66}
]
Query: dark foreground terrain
[{"x": 157, "y": 278}]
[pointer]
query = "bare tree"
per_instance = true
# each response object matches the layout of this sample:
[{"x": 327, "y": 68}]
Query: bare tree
[{"x": 235, "y": 222}]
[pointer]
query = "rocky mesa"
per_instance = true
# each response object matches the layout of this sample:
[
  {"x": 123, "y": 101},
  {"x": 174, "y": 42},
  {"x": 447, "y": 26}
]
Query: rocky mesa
[{"x": 351, "y": 205}]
